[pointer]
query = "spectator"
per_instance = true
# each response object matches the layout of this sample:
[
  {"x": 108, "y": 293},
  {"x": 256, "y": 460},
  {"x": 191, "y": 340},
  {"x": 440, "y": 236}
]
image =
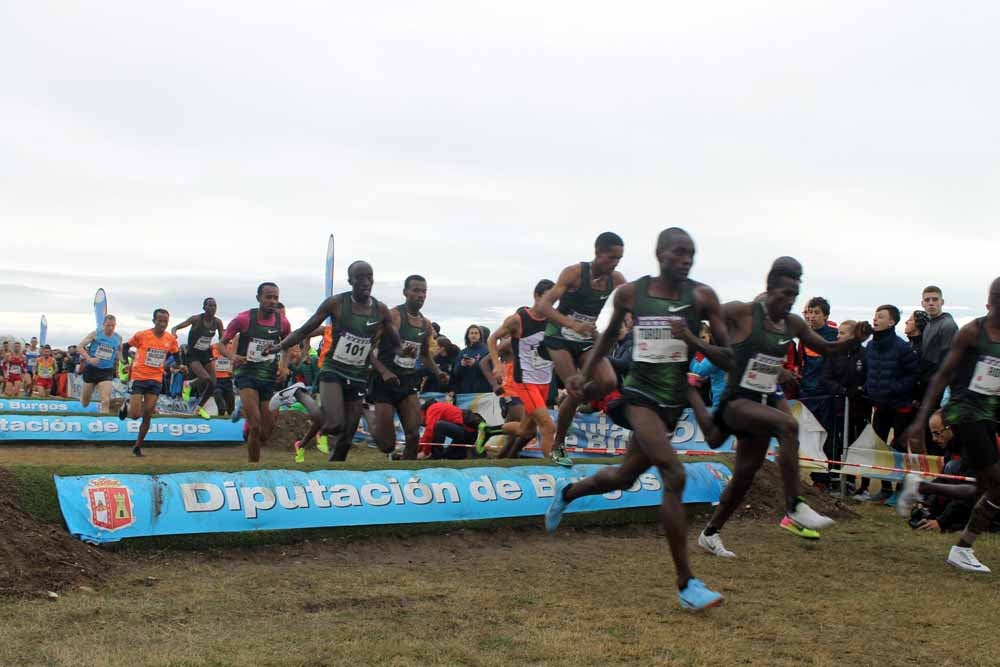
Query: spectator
[
  {"x": 893, "y": 372},
  {"x": 938, "y": 511},
  {"x": 937, "y": 336},
  {"x": 704, "y": 368},
  {"x": 468, "y": 376},
  {"x": 812, "y": 393},
  {"x": 914, "y": 329},
  {"x": 844, "y": 376},
  {"x": 445, "y": 421},
  {"x": 303, "y": 366},
  {"x": 445, "y": 353},
  {"x": 74, "y": 359},
  {"x": 621, "y": 354}
]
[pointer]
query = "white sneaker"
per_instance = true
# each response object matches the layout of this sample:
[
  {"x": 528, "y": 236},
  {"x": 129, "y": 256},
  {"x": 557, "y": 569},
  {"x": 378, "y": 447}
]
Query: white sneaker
[
  {"x": 285, "y": 397},
  {"x": 965, "y": 559},
  {"x": 807, "y": 517},
  {"x": 909, "y": 496},
  {"x": 713, "y": 545},
  {"x": 862, "y": 497}
]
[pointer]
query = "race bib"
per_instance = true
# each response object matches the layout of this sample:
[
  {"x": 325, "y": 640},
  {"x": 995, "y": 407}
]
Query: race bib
[
  {"x": 761, "y": 373},
  {"x": 353, "y": 350},
  {"x": 14, "y": 370},
  {"x": 569, "y": 334},
  {"x": 255, "y": 350},
  {"x": 986, "y": 378},
  {"x": 224, "y": 365},
  {"x": 654, "y": 342},
  {"x": 155, "y": 358},
  {"x": 203, "y": 343},
  {"x": 538, "y": 362},
  {"x": 104, "y": 352},
  {"x": 407, "y": 357},
  {"x": 44, "y": 371}
]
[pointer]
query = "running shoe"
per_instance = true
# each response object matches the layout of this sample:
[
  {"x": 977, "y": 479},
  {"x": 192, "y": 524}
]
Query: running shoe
[
  {"x": 285, "y": 397},
  {"x": 553, "y": 515},
  {"x": 558, "y": 456},
  {"x": 797, "y": 530},
  {"x": 713, "y": 545},
  {"x": 807, "y": 517},
  {"x": 300, "y": 452},
  {"x": 321, "y": 444},
  {"x": 236, "y": 416},
  {"x": 696, "y": 596},
  {"x": 892, "y": 500},
  {"x": 862, "y": 496},
  {"x": 909, "y": 496},
  {"x": 136, "y": 451},
  {"x": 203, "y": 413},
  {"x": 123, "y": 410},
  {"x": 965, "y": 559},
  {"x": 481, "y": 439}
]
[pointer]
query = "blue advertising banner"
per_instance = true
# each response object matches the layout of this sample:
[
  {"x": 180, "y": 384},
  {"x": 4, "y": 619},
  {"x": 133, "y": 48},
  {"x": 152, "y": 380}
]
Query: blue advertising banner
[
  {"x": 45, "y": 405},
  {"x": 17, "y": 428},
  {"x": 109, "y": 508}
]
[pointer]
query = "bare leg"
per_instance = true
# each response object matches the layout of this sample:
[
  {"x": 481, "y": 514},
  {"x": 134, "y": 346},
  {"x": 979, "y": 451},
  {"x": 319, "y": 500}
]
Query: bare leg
[
  {"x": 603, "y": 383},
  {"x": 988, "y": 480},
  {"x": 385, "y": 429},
  {"x": 749, "y": 457},
  {"x": 205, "y": 374},
  {"x": 352, "y": 416},
  {"x": 410, "y": 418},
  {"x": 251, "y": 412},
  {"x": 147, "y": 403}
]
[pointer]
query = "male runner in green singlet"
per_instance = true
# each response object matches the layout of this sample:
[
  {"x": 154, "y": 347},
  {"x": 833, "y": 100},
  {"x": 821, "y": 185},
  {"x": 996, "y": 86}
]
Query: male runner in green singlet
[
  {"x": 199, "y": 351},
  {"x": 581, "y": 291}
]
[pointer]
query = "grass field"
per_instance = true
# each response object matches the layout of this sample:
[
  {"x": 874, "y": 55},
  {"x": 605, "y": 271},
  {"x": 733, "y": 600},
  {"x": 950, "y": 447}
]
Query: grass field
[{"x": 870, "y": 592}]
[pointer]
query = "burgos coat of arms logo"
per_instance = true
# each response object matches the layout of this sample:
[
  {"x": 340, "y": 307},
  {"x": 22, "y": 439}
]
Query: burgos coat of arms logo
[{"x": 110, "y": 504}]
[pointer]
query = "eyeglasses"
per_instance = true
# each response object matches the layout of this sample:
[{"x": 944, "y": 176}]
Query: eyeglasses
[{"x": 940, "y": 432}]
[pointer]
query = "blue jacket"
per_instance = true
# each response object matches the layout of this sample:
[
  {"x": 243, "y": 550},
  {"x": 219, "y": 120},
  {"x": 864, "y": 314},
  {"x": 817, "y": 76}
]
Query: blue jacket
[
  {"x": 716, "y": 376},
  {"x": 470, "y": 379},
  {"x": 893, "y": 370}
]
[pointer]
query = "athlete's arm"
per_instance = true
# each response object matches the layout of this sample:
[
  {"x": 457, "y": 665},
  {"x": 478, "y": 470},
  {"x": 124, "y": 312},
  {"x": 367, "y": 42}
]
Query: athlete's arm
[
  {"x": 388, "y": 329},
  {"x": 329, "y": 308},
  {"x": 812, "y": 340},
  {"x": 84, "y": 345},
  {"x": 183, "y": 325},
  {"x": 425, "y": 353},
  {"x": 964, "y": 341},
  {"x": 219, "y": 328},
  {"x": 384, "y": 372},
  {"x": 624, "y": 302},
  {"x": 719, "y": 354},
  {"x": 617, "y": 279},
  {"x": 568, "y": 279},
  {"x": 510, "y": 327}
]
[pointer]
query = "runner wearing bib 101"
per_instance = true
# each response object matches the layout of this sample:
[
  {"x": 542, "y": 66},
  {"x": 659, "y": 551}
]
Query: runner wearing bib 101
[
  {"x": 972, "y": 370},
  {"x": 200, "y": 359},
  {"x": 359, "y": 320},
  {"x": 581, "y": 290},
  {"x": 396, "y": 378}
]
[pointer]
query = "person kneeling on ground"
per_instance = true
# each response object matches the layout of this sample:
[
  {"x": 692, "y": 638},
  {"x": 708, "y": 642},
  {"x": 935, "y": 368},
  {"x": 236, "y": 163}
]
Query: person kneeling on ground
[{"x": 444, "y": 420}]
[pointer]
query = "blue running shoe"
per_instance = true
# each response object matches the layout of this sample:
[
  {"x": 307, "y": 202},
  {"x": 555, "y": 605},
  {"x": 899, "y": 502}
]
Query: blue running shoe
[
  {"x": 697, "y": 596},
  {"x": 553, "y": 515},
  {"x": 236, "y": 416}
]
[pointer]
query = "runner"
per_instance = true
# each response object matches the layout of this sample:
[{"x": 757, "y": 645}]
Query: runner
[
  {"x": 225, "y": 396},
  {"x": 668, "y": 310},
  {"x": 972, "y": 371},
  {"x": 396, "y": 381},
  {"x": 99, "y": 355},
  {"x": 530, "y": 375},
  {"x": 581, "y": 292},
  {"x": 256, "y": 367},
  {"x": 14, "y": 372},
  {"x": 31, "y": 354},
  {"x": 359, "y": 320},
  {"x": 154, "y": 349},
  {"x": 753, "y": 409},
  {"x": 45, "y": 372},
  {"x": 199, "y": 351}
]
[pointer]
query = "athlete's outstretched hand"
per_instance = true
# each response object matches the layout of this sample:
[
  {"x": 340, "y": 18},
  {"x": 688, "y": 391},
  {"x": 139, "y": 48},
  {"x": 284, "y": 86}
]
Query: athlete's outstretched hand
[
  {"x": 282, "y": 374},
  {"x": 498, "y": 374},
  {"x": 575, "y": 386},
  {"x": 914, "y": 438},
  {"x": 585, "y": 329},
  {"x": 390, "y": 378},
  {"x": 272, "y": 348},
  {"x": 678, "y": 325}
]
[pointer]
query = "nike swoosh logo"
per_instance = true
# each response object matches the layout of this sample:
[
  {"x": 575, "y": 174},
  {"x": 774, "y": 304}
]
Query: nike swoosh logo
[
  {"x": 677, "y": 309},
  {"x": 421, "y": 333},
  {"x": 604, "y": 297},
  {"x": 368, "y": 324},
  {"x": 272, "y": 331},
  {"x": 785, "y": 342}
]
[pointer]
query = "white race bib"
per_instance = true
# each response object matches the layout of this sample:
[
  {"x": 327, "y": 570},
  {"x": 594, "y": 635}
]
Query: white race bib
[
  {"x": 654, "y": 342},
  {"x": 761, "y": 373},
  {"x": 203, "y": 343},
  {"x": 255, "y": 350},
  {"x": 353, "y": 350},
  {"x": 224, "y": 365},
  {"x": 537, "y": 361},
  {"x": 986, "y": 378},
  {"x": 569, "y": 334},
  {"x": 14, "y": 370},
  {"x": 104, "y": 352},
  {"x": 155, "y": 358},
  {"x": 407, "y": 357}
]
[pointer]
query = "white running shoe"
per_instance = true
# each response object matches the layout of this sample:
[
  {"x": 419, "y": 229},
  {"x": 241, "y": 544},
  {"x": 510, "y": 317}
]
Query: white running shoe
[
  {"x": 862, "y": 496},
  {"x": 807, "y": 517},
  {"x": 965, "y": 559},
  {"x": 909, "y": 496},
  {"x": 713, "y": 545},
  {"x": 285, "y": 397}
]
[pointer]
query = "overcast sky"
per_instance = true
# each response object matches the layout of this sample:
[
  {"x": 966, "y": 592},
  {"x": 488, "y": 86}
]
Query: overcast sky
[{"x": 177, "y": 151}]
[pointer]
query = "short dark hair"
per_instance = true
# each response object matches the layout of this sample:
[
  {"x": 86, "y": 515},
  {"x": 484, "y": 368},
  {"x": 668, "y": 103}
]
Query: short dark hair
[
  {"x": 350, "y": 267},
  {"x": 607, "y": 240},
  {"x": 667, "y": 236},
  {"x": 932, "y": 288},
  {"x": 783, "y": 267},
  {"x": 543, "y": 286},
  {"x": 260, "y": 288},
  {"x": 209, "y": 298},
  {"x": 409, "y": 279},
  {"x": 436, "y": 327},
  {"x": 893, "y": 312},
  {"x": 921, "y": 318},
  {"x": 161, "y": 310},
  {"x": 824, "y": 305}
]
